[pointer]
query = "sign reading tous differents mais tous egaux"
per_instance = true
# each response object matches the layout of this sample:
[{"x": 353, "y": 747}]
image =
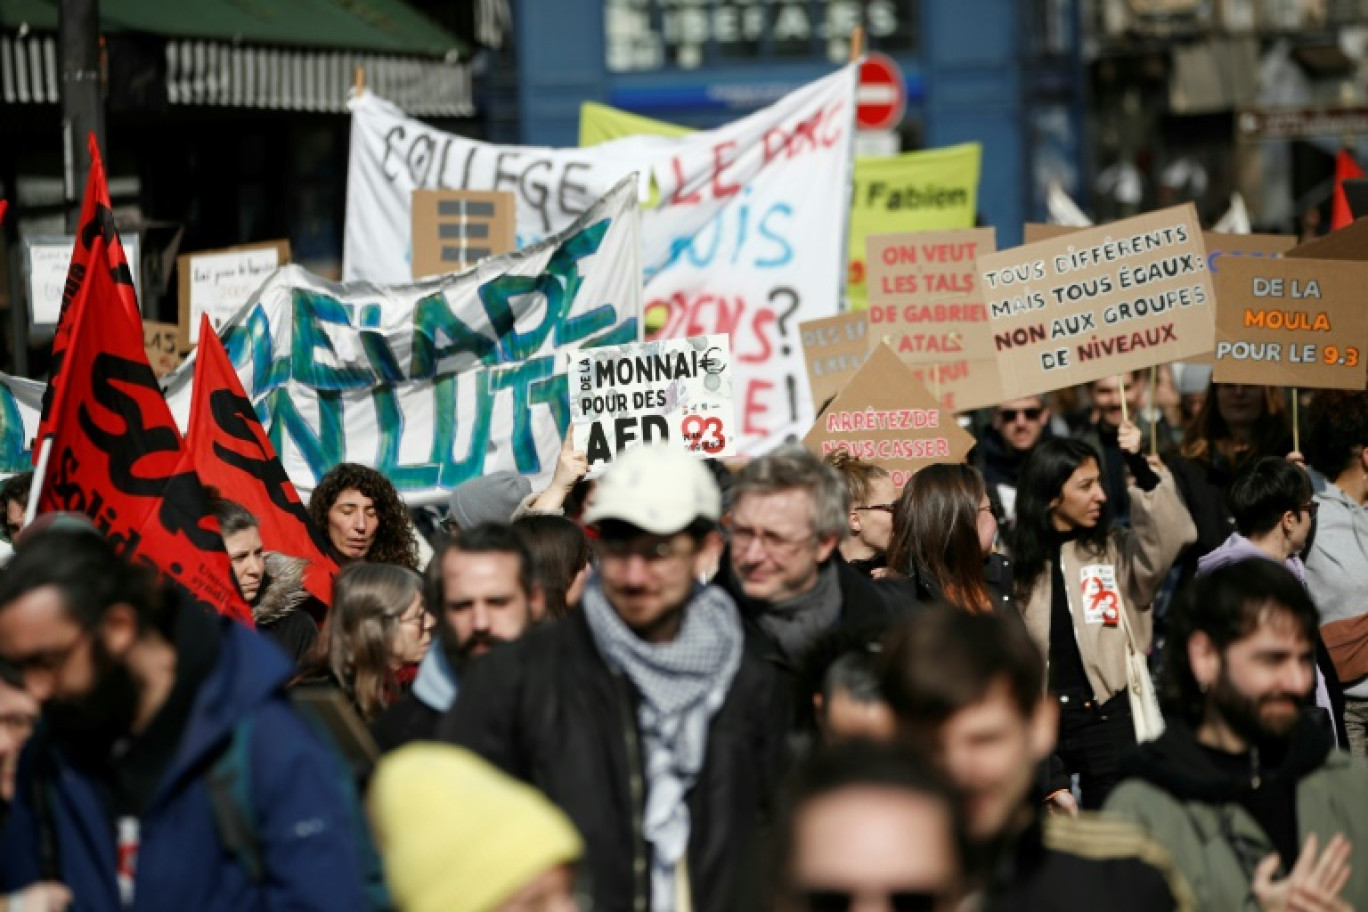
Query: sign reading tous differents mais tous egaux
[
  {"x": 1292, "y": 322},
  {"x": 1103, "y": 301},
  {"x": 675, "y": 391}
]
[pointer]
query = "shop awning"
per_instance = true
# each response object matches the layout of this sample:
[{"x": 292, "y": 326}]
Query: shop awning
[{"x": 298, "y": 55}]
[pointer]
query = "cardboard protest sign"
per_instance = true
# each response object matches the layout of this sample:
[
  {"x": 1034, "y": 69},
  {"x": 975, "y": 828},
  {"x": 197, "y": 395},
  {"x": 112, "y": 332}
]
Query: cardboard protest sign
[
  {"x": 884, "y": 415},
  {"x": 1348, "y": 243},
  {"x": 160, "y": 345},
  {"x": 834, "y": 347},
  {"x": 926, "y": 302},
  {"x": 46, "y": 264},
  {"x": 218, "y": 282},
  {"x": 675, "y": 391},
  {"x": 1104, "y": 301},
  {"x": 1218, "y": 244},
  {"x": 455, "y": 229},
  {"x": 1292, "y": 322}
]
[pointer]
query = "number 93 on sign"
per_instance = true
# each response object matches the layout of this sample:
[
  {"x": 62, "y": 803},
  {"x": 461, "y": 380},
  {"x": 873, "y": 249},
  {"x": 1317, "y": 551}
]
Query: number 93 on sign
[{"x": 703, "y": 434}]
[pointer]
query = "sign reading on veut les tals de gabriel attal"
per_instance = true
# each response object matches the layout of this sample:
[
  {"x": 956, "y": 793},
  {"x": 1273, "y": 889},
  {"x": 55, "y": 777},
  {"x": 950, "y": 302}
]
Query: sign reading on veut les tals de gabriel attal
[
  {"x": 1100, "y": 302},
  {"x": 675, "y": 391}
]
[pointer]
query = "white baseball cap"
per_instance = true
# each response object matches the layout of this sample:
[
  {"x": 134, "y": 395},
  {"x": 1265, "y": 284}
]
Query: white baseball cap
[{"x": 658, "y": 489}]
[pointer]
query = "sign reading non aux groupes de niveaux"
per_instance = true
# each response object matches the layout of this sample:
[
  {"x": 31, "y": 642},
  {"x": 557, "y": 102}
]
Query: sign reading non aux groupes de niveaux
[
  {"x": 1100, "y": 302},
  {"x": 675, "y": 391}
]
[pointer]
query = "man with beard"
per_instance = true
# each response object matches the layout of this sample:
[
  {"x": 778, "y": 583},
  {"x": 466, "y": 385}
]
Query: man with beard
[
  {"x": 481, "y": 587},
  {"x": 1246, "y": 790},
  {"x": 141, "y": 692}
]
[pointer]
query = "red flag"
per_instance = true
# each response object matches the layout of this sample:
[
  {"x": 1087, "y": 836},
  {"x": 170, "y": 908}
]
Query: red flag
[
  {"x": 118, "y": 457},
  {"x": 1345, "y": 169},
  {"x": 4, "y": 205},
  {"x": 231, "y": 451},
  {"x": 97, "y": 246}
]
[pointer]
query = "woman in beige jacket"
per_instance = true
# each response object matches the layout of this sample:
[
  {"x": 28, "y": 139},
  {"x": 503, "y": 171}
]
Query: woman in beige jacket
[{"x": 1076, "y": 575}]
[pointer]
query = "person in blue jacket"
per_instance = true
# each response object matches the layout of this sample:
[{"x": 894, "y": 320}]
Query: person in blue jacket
[{"x": 141, "y": 695}]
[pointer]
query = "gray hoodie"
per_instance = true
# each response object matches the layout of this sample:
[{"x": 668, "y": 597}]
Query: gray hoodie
[{"x": 1337, "y": 567}]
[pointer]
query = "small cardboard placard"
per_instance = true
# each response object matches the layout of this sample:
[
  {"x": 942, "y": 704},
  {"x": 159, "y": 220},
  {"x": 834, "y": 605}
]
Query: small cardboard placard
[
  {"x": 1349, "y": 243},
  {"x": 676, "y": 391},
  {"x": 218, "y": 282},
  {"x": 924, "y": 297},
  {"x": 1100, "y": 302},
  {"x": 1218, "y": 244},
  {"x": 1292, "y": 322},
  {"x": 926, "y": 302},
  {"x": 46, "y": 261},
  {"x": 160, "y": 343},
  {"x": 884, "y": 415},
  {"x": 834, "y": 348},
  {"x": 455, "y": 229}
]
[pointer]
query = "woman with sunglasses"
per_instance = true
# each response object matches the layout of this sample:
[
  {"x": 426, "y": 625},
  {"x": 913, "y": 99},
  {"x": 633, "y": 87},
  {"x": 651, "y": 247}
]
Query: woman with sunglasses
[
  {"x": 944, "y": 529},
  {"x": 871, "y": 510},
  {"x": 1085, "y": 589}
]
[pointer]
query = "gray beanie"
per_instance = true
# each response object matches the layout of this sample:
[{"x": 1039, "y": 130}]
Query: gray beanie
[{"x": 489, "y": 498}]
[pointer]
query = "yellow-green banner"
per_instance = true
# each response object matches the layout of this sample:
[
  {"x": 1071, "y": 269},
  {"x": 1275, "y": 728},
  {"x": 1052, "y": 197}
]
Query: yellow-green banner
[{"x": 934, "y": 190}]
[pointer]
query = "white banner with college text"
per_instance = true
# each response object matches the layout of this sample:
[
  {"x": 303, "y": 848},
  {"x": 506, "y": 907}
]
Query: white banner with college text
[{"x": 745, "y": 234}]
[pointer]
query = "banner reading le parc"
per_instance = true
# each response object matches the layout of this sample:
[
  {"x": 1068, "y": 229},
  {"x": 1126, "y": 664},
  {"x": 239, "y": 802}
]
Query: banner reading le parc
[
  {"x": 438, "y": 381},
  {"x": 929, "y": 190},
  {"x": 675, "y": 391},
  {"x": 742, "y": 238},
  {"x": 1100, "y": 301},
  {"x": 1292, "y": 322}
]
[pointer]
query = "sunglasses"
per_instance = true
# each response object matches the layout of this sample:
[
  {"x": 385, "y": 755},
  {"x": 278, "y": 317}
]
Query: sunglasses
[
  {"x": 1311, "y": 507},
  {"x": 844, "y": 901},
  {"x": 887, "y": 508},
  {"x": 1030, "y": 414}
]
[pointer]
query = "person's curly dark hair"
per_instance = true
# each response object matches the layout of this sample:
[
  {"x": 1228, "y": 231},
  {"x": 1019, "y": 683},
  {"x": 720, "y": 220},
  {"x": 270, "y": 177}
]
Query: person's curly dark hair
[
  {"x": 393, "y": 543},
  {"x": 1336, "y": 430}
]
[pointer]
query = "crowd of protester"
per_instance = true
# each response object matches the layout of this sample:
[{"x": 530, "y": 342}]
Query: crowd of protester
[{"x": 1118, "y": 659}]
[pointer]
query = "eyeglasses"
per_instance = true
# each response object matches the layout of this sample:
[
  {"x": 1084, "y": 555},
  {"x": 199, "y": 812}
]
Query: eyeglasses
[
  {"x": 1030, "y": 414},
  {"x": 886, "y": 508},
  {"x": 19, "y": 725},
  {"x": 770, "y": 542},
  {"x": 47, "y": 662},
  {"x": 843, "y": 900},
  {"x": 1311, "y": 507}
]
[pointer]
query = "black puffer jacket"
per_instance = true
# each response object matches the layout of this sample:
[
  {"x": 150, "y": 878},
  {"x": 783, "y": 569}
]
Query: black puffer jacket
[{"x": 548, "y": 710}]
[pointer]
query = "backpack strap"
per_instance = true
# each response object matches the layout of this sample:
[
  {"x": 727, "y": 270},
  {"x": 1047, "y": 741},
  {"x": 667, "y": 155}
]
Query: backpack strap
[
  {"x": 229, "y": 783},
  {"x": 42, "y": 784}
]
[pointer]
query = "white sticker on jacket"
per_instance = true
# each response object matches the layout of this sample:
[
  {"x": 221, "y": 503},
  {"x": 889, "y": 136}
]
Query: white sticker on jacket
[{"x": 1101, "y": 598}]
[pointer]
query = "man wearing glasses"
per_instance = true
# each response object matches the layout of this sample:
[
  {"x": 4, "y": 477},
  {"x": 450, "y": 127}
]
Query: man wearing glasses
[
  {"x": 789, "y": 514},
  {"x": 1017, "y": 428},
  {"x": 641, "y": 715},
  {"x": 1275, "y": 516}
]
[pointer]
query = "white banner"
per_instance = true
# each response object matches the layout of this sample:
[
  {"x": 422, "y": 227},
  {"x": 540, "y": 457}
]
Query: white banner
[
  {"x": 437, "y": 381},
  {"x": 21, "y": 402},
  {"x": 747, "y": 236},
  {"x": 675, "y": 391}
]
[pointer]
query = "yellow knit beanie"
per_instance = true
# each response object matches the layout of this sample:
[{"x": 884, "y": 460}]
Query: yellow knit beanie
[{"x": 457, "y": 835}]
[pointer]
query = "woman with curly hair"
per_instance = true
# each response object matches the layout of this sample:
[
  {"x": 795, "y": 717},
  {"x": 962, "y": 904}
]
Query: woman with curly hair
[{"x": 363, "y": 517}]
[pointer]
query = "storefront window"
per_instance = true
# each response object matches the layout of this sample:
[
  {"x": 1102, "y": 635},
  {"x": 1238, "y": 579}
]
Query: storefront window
[{"x": 645, "y": 35}]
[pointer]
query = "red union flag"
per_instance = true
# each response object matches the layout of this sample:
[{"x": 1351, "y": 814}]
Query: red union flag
[
  {"x": 118, "y": 457},
  {"x": 97, "y": 247},
  {"x": 230, "y": 450}
]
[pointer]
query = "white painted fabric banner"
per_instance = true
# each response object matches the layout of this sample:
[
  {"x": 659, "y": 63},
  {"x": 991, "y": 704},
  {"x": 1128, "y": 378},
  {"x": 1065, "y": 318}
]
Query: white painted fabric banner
[
  {"x": 674, "y": 391},
  {"x": 747, "y": 236},
  {"x": 438, "y": 381},
  {"x": 21, "y": 402}
]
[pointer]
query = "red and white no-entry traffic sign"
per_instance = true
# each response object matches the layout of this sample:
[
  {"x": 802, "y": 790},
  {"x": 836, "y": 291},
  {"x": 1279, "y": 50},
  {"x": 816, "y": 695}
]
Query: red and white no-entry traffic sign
[{"x": 881, "y": 97}]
